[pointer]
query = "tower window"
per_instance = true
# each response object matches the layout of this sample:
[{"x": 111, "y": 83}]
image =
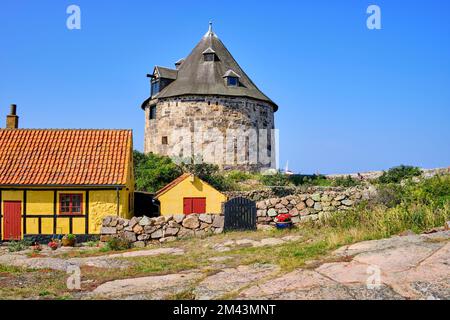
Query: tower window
[
  {"x": 209, "y": 55},
  {"x": 155, "y": 87},
  {"x": 231, "y": 78},
  {"x": 164, "y": 141},
  {"x": 232, "y": 81},
  {"x": 152, "y": 112}
]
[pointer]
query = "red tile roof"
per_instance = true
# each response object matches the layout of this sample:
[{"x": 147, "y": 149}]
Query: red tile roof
[{"x": 64, "y": 157}]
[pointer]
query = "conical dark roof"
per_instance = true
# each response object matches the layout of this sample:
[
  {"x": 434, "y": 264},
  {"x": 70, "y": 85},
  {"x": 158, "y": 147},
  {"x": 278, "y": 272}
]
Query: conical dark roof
[{"x": 199, "y": 77}]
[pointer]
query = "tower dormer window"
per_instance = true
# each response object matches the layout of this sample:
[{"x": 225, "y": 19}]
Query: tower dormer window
[
  {"x": 209, "y": 55},
  {"x": 232, "y": 81},
  {"x": 231, "y": 78},
  {"x": 155, "y": 86}
]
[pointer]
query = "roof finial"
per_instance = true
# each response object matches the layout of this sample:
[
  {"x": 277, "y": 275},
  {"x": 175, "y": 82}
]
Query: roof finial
[{"x": 210, "y": 27}]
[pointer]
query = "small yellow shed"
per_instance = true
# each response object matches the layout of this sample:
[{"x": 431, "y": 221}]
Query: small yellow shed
[{"x": 189, "y": 194}]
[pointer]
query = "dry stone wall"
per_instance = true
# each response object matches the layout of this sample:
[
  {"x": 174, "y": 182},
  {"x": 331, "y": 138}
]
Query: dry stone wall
[
  {"x": 312, "y": 206},
  {"x": 142, "y": 231}
]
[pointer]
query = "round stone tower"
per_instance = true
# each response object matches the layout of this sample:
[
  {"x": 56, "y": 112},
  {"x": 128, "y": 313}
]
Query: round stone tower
[{"x": 208, "y": 109}]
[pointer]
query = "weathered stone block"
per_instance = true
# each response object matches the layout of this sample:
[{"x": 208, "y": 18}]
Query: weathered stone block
[
  {"x": 296, "y": 219},
  {"x": 106, "y": 221},
  {"x": 157, "y": 234},
  {"x": 348, "y": 203},
  {"x": 205, "y": 218},
  {"x": 274, "y": 201},
  {"x": 179, "y": 218},
  {"x": 261, "y": 213},
  {"x": 130, "y": 236},
  {"x": 138, "y": 229},
  {"x": 185, "y": 233},
  {"x": 279, "y": 206},
  {"x": 171, "y": 232},
  {"x": 134, "y": 221},
  {"x": 261, "y": 205},
  {"x": 219, "y": 221},
  {"x": 108, "y": 230},
  {"x": 145, "y": 221},
  {"x": 191, "y": 222},
  {"x": 310, "y": 203},
  {"x": 318, "y": 206},
  {"x": 300, "y": 206},
  {"x": 143, "y": 237},
  {"x": 150, "y": 229}
]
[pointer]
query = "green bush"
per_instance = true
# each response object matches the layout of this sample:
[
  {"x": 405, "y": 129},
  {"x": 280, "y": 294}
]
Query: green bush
[
  {"x": 433, "y": 191},
  {"x": 152, "y": 172},
  {"x": 275, "y": 180},
  {"x": 236, "y": 176},
  {"x": 398, "y": 174},
  {"x": 16, "y": 246},
  {"x": 300, "y": 180},
  {"x": 345, "y": 182},
  {"x": 118, "y": 244},
  {"x": 413, "y": 206},
  {"x": 209, "y": 173},
  {"x": 389, "y": 195}
]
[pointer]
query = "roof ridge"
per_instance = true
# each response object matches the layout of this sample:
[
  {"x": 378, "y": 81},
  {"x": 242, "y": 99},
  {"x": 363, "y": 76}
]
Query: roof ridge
[{"x": 172, "y": 184}]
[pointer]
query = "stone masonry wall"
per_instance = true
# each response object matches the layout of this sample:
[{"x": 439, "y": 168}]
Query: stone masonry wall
[
  {"x": 210, "y": 117},
  {"x": 142, "y": 231},
  {"x": 312, "y": 206}
]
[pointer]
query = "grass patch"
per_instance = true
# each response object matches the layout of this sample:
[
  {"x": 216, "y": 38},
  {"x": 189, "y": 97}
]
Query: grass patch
[
  {"x": 10, "y": 270},
  {"x": 39, "y": 284}
]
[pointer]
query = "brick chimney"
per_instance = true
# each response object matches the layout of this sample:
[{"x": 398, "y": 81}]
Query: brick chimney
[{"x": 12, "y": 120}]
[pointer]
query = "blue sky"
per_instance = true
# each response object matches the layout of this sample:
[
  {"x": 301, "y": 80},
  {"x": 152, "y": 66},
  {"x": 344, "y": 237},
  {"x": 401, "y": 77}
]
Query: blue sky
[{"x": 351, "y": 99}]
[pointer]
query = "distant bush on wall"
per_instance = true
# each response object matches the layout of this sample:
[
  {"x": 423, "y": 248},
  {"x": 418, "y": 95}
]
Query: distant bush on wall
[
  {"x": 209, "y": 173},
  {"x": 397, "y": 174}
]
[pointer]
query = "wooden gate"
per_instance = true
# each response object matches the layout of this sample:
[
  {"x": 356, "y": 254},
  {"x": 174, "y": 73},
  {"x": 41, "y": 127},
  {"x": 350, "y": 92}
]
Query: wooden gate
[
  {"x": 240, "y": 214},
  {"x": 12, "y": 218}
]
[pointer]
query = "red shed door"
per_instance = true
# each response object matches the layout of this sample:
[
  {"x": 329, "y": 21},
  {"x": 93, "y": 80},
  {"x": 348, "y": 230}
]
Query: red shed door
[
  {"x": 194, "y": 205},
  {"x": 12, "y": 220}
]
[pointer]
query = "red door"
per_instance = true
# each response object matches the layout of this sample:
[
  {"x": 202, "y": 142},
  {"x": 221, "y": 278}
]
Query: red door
[
  {"x": 194, "y": 205},
  {"x": 12, "y": 220}
]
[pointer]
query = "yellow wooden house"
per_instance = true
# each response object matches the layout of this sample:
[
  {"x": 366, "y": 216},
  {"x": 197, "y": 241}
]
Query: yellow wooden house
[
  {"x": 189, "y": 194},
  {"x": 56, "y": 182}
]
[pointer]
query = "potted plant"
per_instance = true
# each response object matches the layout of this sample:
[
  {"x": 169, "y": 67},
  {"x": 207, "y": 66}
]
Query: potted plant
[
  {"x": 283, "y": 221},
  {"x": 53, "y": 245},
  {"x": 68, "y": 240}
]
